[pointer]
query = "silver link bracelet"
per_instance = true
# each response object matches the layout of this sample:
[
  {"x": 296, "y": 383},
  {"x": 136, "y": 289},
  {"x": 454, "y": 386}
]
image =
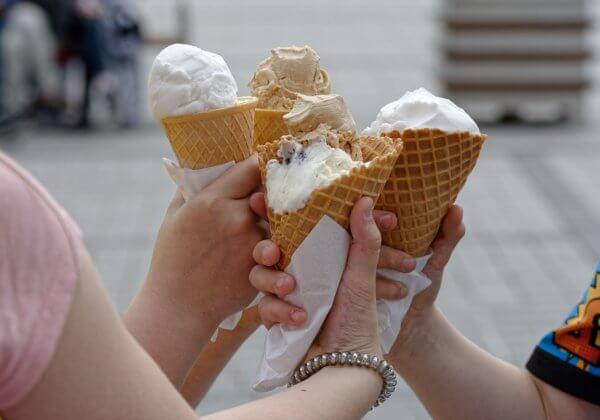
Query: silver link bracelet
[{"x": 383, "y": 368}]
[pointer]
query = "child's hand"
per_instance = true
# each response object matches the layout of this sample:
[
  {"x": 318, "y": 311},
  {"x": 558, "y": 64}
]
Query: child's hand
[{"x": 203, "y": 254}]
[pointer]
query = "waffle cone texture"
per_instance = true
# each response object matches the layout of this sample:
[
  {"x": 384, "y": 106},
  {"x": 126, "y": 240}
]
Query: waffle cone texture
[
  {"x": 425, "y": 181},
  {"x": 268, "y": 126},
  {"x": 289, "y": 230},
  {"x": 213, "y": 137}
]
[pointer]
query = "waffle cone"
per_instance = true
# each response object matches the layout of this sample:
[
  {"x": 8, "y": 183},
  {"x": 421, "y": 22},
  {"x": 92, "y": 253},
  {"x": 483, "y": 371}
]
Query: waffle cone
[
  {"x": 213, "y": 137},
  {"x": 289, "y": 230},
  {"x": 268, "y": 126},
  {"x": 427, "y": 177}
]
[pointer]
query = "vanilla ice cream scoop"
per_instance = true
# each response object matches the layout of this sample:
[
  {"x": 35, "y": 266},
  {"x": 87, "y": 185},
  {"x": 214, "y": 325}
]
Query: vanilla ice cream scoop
[
  {"x": 301, "y": 169},
  {"x": 287, "y": 72},
  {"x": 186, "y": 80},
  {"x": 311, "y": 111},
  {"x": 421, "y": 109}
]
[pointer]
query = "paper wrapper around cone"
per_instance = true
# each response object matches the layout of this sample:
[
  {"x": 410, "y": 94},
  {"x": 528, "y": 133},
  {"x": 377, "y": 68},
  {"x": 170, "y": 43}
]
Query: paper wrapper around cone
[
  {"x": 268, "y": 126},
  {"x": 427, "y": 177},
  {"x": 213, "y": 137},
  {"x": 288, "y": 230}
]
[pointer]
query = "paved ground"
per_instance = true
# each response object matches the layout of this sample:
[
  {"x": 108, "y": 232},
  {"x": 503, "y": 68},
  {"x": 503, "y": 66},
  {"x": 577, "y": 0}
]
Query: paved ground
[{"x": 531, "y": 206}]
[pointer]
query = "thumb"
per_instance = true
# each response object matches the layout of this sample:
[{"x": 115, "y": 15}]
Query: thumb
[
  {"x": 451, "y": 232},
  {"x": 363, "y": 257}
]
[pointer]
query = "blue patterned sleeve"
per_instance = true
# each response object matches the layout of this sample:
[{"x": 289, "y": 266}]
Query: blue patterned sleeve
[{"x": 568, "y": 358}]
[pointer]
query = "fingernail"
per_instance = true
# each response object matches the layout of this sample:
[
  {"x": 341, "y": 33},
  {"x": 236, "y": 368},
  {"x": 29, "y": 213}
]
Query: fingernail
[
  {"x": 297, "y": 316},
  {"x": 263, "y": 253},
  {"x": 402, "y": 292},
  {"x": 409, "y": 263},
  {"x": 280, "y": 284},
  {"x": 387, "y": 220}
]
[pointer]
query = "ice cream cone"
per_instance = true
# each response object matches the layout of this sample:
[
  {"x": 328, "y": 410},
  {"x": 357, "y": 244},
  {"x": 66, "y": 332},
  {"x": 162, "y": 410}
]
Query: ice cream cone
[
  {"x": 427, "y": 177},
  {"x": 289, "y": 230},
  {"x": 268, "y": 126},
  {"x": 213, "y": 137}
]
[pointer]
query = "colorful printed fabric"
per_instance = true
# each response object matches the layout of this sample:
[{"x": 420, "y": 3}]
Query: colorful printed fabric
[{"x": 569, "y": 357}]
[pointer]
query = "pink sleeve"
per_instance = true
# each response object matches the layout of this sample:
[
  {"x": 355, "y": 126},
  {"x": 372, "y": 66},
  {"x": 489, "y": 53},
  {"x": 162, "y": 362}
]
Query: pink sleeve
[{"x": 39, "y": 267}]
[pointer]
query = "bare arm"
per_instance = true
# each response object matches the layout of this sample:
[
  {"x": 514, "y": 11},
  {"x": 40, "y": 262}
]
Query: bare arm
[
  {"x": 215, "y": 356},
  {"x": 199, "y": 272},
  {"x": 334, "y": 393},
  {"x": 454, "y": 378},
  {"x": 172, "y": 337}
]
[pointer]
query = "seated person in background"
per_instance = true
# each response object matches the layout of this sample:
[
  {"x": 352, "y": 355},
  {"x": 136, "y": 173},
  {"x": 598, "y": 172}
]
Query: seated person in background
[{"x": 30, "y": 73}]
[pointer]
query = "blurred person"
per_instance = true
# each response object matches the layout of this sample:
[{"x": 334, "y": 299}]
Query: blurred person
[
  {"x": 56, "y": 10},
  {"x": 83, "y": 39},
  {"x": 123, "y": 41},
  {"x": 4, "y": 6},
  {"x": 453, "y": 377},
  {"x": 30, "y": 74},
  {"x": 66, "y": 353}
]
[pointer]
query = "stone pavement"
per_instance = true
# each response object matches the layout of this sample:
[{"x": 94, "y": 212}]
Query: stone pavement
[{"x": 531, "y": 205}]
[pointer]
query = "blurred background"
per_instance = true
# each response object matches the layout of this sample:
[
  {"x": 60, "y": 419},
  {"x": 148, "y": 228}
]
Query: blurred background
[{"x": 73, "y": 111}]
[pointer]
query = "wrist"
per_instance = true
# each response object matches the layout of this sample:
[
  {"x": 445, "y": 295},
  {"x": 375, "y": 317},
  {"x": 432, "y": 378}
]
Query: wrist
[
  {"x": 416, "y": 328},
  {"x": 369, "y": 372},
  {"x": 157, "y": 306},
  {"x": 368, "y": 379}
]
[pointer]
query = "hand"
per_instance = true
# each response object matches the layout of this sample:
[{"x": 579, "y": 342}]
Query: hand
[
  {"x": 351, "y": 324},
  {"x": 451, "y": 232},
  {"x": 277, "y": 284},
  {"x": 203, "y": 254}
]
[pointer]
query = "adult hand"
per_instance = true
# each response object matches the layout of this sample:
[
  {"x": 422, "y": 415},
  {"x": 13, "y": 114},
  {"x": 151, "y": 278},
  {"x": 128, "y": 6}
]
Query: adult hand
[
  {"x": 203, "y": 254},
  {"x": 451, "y": 232},
  {"x": 351, "y": 324},
  {"x": 277, "y": 284}
]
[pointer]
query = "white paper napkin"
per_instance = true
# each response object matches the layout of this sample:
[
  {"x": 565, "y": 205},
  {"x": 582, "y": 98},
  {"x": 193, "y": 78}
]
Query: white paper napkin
[
  {"x": 192, "y": 181},
  {"x": 390, "y": 313},
  {"x": 317, "y": 265}
]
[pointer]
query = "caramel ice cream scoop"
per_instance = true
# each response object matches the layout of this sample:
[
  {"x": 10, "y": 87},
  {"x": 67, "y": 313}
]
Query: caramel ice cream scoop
[
  {"x": 311, "y": 111},
  {"x": 289, "y": 71}
]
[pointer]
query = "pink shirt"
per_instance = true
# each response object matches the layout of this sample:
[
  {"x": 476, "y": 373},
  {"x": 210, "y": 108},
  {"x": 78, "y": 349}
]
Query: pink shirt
[{"x": 39, "y": 268}]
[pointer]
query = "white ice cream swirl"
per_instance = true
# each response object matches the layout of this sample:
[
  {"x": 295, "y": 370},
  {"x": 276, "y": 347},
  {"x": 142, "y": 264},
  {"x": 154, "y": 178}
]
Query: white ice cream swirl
[
  {"x": 421, "y": 109},
  {"x": 186, "y": 80}
]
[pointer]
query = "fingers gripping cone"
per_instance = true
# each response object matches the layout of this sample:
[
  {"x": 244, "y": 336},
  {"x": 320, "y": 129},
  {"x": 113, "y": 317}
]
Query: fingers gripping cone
[
  {"x": 427, "y": 177},
  {"x": 268, "y": 126},
  {"x": 213, "y": 137},
  {"x": 289, "y": 230}
]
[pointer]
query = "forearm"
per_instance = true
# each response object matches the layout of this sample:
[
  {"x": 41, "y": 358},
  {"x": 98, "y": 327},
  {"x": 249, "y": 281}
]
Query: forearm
[
  {"x": 454, "y": 378},
  {"x": 333, "y": 393},
  {"x": 215, "y": 356},
  {"x": 169, "y": 334}
]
